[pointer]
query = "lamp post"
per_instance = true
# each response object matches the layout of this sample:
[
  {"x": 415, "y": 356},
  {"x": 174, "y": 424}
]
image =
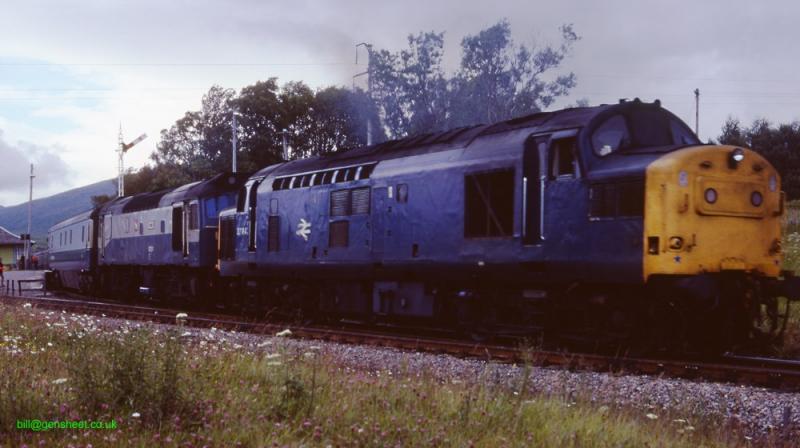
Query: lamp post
[{"x": 28, "y": 236}]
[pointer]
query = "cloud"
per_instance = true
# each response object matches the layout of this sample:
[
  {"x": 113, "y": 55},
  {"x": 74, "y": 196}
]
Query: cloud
[{"x": 49, "y": 168}]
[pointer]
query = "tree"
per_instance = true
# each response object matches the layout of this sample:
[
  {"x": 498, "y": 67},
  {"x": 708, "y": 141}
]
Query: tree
[
  {"x": 100, "y": 199},
  {"x": 411, "y": 86},
  {"x": 497, "y": 80},
  {"x": 259, "y": 130},
  {"x": 732, "y": 133},
  {"x": 780, "y": 145}
]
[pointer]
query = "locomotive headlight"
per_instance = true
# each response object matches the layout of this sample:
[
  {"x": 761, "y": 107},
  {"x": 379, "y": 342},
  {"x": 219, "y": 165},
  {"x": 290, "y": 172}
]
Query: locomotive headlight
[
  {"x": 735, "y": 157},
  {"x": 710, "y": 195},
  {"x": 756, "y": 198}
]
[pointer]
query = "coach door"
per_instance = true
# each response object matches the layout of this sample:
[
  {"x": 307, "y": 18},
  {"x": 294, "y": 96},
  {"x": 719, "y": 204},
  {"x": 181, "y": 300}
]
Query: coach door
[{"x": 534, "y": 177}]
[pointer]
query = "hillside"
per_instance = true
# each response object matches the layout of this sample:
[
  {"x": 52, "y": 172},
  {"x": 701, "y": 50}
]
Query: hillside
[{"x": 50, "y": 210}]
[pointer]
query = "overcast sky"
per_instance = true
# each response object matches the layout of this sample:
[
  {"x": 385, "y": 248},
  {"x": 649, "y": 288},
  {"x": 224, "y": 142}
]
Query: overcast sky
[{"x": 72, "y": 71}]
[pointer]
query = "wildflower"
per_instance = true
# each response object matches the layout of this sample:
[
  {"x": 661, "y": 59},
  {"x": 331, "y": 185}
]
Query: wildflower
[
  {"x": 651, "y": 416},
  {"x": 60, "y": 381},
  {"x": 27, "y": 305},
  {"x": 186, "y": 334},
  {"x": 273, "y": 355},
  {"x": 136, "y": 415},
  {"x": 690, "y": 428},
  {"x": 180, "y": 318},
  {"x": 274, "y": 363},
  {"x": 285, "y": 333}
]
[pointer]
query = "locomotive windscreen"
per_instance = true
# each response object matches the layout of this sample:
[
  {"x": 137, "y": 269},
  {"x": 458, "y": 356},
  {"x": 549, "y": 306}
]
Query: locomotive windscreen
[{"x": 646, "y": 128}]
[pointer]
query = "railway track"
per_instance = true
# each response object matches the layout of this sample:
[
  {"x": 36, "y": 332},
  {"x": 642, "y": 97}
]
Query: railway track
[{"x": 755, "y": 371}]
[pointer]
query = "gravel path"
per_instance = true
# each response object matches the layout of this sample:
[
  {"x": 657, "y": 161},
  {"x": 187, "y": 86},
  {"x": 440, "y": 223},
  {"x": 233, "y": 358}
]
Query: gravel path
[{"x": 758, "y": 411}]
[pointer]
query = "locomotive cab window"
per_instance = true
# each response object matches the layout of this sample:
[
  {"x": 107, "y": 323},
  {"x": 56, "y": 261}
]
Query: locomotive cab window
[
  {"x": 564, "y": 163},
  {"x": 489, "y": 204},
  {"x": 194, "y": 217}
]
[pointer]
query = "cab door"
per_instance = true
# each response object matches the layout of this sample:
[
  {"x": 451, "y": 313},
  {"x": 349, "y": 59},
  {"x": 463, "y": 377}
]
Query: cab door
[{"x": 534, "y": 178}]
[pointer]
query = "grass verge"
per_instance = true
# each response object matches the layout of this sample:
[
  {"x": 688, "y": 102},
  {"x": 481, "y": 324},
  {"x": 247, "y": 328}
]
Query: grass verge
[{"x": 164, "y": 389}]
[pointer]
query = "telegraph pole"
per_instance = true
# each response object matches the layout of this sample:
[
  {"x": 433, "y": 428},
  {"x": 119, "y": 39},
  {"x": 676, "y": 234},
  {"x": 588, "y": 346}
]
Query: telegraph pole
[
  {"x": 368, "y": 72},
  {"x": 28, "y": 239},
  {"x": 233, "y": 142},
  {"x": 697, "y": 112}
]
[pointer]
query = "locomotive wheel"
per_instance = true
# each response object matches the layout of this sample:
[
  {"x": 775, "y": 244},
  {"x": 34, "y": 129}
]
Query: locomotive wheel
[
  {"x": 666, "y": 325},
  {"x": 473, "y": 318}
]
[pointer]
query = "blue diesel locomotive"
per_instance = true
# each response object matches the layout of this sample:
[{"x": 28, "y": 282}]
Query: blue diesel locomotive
[
  {"x": 604, "y": 224},
  {"x": 161, "y": 244}
]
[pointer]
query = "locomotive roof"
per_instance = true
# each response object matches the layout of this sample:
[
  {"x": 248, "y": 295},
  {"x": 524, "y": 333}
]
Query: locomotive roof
[
  {"x": 75, "y": 219},
  {"x": 220, "y": 183},
  {"x": 458, "y": 137}
]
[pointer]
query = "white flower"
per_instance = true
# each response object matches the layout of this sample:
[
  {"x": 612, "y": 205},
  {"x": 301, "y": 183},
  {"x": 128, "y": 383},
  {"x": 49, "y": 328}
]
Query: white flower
[
  {"x": 651, "y": 416},
  {"x": 273, "y": 355},
  {"x": 60, "y": 381},
  {"x": 27, "y": 305},
  {"x": 285, "y": 333},
  {"x": 274, "y": 363},
  {"x": 136, "y": 415}
]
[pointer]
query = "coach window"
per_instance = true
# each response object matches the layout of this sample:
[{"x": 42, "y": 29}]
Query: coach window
[
  {"x": 562, "y": 156},
  {"x": 313, "y": 180}
]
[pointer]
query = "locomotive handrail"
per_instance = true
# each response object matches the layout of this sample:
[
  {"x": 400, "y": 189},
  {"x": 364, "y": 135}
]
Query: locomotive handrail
[{"x": 524, "y": 207}]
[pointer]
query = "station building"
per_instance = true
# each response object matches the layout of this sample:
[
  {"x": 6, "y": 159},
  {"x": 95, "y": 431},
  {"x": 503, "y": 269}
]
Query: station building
[{"x": 11, "y": 248}]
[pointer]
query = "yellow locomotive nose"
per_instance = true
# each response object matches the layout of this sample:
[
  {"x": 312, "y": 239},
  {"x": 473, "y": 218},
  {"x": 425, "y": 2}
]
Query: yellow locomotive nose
[{"x": 712, "y": 209}]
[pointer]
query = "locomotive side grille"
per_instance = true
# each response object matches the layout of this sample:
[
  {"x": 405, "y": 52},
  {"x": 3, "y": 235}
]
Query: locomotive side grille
[
  {"x": 340, "y": 203},
  {"x": 360, "y": 201},
  {"x": 339, "y": 234},
  {"x": 273, "y": 233}
]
